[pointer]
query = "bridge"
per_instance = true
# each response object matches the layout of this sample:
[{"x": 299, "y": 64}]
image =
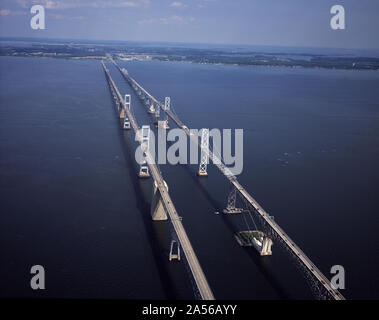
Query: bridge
[
  {"x": 319, "y": 283},
  {"x": 201, "y": 282}
]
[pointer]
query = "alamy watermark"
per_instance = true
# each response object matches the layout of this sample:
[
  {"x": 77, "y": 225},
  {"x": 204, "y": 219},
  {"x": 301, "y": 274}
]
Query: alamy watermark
[
  {"x": 181, "y": 152},
  {"x": 338, "y": 280},
  {"x": 38, "y": 20},
  {"x": 338, "y": 20},
  {"x": 38, "y": 280}
]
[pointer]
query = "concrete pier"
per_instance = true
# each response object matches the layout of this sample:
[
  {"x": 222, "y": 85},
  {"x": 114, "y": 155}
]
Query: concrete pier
[
  {"x": 122, "y": 113},
  {"x": 126, "y": 125},
  {"x": 158, "y": 211},
  {"x": 174, "y": 251},
  {"x": 266, "y": 247},
  {"x": 202, "y": 173},
  {"x": 144, "y": 172}
]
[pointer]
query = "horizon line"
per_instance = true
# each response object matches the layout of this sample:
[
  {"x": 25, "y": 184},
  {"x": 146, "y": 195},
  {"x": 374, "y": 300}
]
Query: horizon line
[{"x": 38, "y": 39}]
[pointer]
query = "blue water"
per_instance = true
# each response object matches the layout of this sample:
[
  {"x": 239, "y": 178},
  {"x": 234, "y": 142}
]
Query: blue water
[{"x": 71, "y": 201}]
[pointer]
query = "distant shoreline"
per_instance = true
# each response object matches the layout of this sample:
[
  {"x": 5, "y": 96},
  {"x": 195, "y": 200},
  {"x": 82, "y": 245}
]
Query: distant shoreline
[{"x": 190, "y": 55}]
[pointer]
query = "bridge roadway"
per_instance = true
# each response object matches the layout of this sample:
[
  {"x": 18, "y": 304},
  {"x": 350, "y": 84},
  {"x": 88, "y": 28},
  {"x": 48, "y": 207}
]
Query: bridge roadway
[
  {"x": 196, "y": 270},
  {"x": 308, "y": 264}
]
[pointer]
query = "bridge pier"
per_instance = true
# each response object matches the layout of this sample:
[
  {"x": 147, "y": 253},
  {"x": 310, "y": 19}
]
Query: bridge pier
[
  {"x": 174, "y": 250},
  {"x": 204, "y": 159},
  {"x": 128, "y": 101},
  {"x": 158, "y": 211},
  {"x": 144, "y": 168},
  {"x": 163, "y": 124},
  {"x": 231, "y": 204},
  {"x": 127, "y": 105},
  {"x": 144, "y": 171},
  {"x": 126, "y": 124},
  {"x": 151, "y": 109},
  {"x": 167, "y": 103},
  {"x": 266, "y": 247},
  {"x": 122, "y": 113},
  {"x": 157, "y": 111}
]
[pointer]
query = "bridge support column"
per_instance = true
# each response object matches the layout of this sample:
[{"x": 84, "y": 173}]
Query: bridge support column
[
  {"x": 167, "y": 106},
  {"x": 158, "y": 211},
  {"x": 231, "y": 205},
  {"x": 128, "y": 101},
  {"x": 157, "y": 111},
  {"x": 162, "y": 124},
  {"x": 204, "y": 155},
  {"x": 126, "y": 124},
  {"x": 144, "y": 169},
  {"x": 174, "y": 250},
  {"x": 167, "y": 102},
  {"x": 122, "y": 113},
  {"x": 266, "y": 247},
  {"x": 127, "y": 105}
]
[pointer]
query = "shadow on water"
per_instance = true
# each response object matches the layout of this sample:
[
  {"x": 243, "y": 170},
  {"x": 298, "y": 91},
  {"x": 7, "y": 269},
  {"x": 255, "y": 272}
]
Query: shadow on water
[{"x": 260, "y": 262}]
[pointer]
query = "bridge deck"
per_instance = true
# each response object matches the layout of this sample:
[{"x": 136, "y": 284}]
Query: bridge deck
[
  {"x": 335, "y": 294},
  {"x": 196, "y": 270}
]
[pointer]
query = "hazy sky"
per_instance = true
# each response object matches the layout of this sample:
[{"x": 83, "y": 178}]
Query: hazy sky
[{"x": 257, "y": 22}]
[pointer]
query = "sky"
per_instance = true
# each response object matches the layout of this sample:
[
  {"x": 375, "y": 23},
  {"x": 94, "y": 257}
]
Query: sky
[{"x": 303, "y": 23}]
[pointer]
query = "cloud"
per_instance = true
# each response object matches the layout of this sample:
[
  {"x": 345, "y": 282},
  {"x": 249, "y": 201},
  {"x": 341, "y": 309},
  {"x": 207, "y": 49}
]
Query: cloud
[
  {"x": 204, "y": 3},
  {"x": 168, "y": 20},
  {"x": 64, "y": 17},
  {"x": 69, "y": 4},
  {"x": 177, "y": 4},
  {"x": 5, "y": 12},
  {"x": 78, "y": 18}
]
